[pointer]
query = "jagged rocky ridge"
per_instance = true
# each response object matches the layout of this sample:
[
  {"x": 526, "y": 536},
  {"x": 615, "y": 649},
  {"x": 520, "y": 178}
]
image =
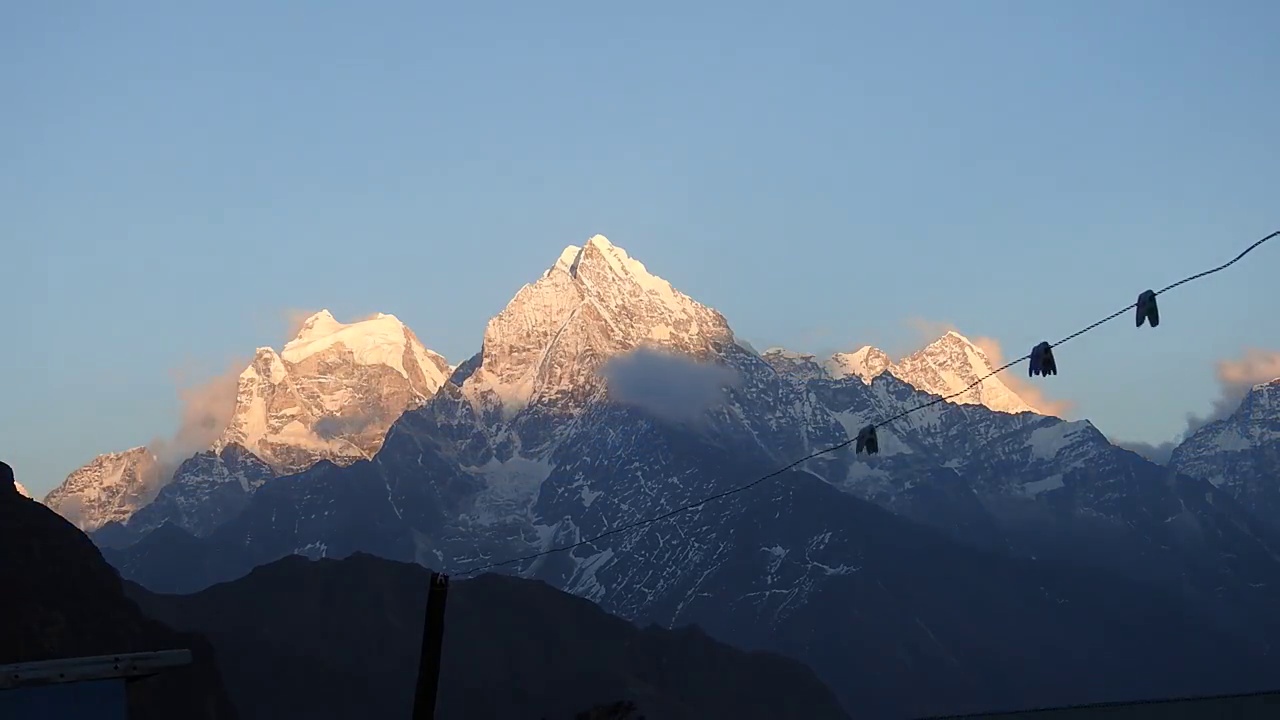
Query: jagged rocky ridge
[
  {"x": 948, "y": 367},
  {"x": 205, "y": 491},
  {"x": 109, "y": 489},
  {"x": 331, "y": 393},
  {"x": 1240, "y": 454},
  {"x": 536, "y": 442}
]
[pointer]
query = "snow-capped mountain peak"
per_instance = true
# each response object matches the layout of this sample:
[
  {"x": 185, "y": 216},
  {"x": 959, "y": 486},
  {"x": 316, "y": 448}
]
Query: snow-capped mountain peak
[
  {"x": 565, "y": 262},
  {"x": 623, "y": 265},
  {"x": 950, "y": 364},
  {"x": 1254, "y": 426},
  {"x": 318, "y": 325},
  {"x": 866, "y": 363},
  {"x": 266, "y": 364},
  {"x": 377, "y": 340},
  {"x": 594, "y": 302},
  {"x": 1262, "y": 400},
  {"x": 111, "y": 487},
  {"x": 586, "y": 266},
  {"x": 944, "y": 367},
  {"x": 332, "y": 391},
  {"x": 1240, "y": 453},
  {"x": 802, "y": 366}
]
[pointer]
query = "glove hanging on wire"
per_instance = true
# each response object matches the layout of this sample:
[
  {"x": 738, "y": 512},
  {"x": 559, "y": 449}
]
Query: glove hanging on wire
[
  {"x": 867, "y": 440},
  {"x": 1042, "y": 362},
  {"x": 1147, "y": 308}
]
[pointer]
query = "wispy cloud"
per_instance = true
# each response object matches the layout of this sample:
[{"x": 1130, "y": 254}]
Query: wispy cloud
[
  {"x": 294, "y": 318},
  {"x": 336, "y": 426},
  {"x": 1235, "y": 377},
  {"x": 207, "y": 407},
  {"x": 670, "y": 386}
]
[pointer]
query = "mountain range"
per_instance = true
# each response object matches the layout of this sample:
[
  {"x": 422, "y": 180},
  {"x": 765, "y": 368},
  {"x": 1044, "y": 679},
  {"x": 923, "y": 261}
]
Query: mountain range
[
  {"x": 331, "y": 393},
  {"x": 987, "y": 556},
  {"x": 341, "y": 639},
  {"x": 950, "y": 367}
]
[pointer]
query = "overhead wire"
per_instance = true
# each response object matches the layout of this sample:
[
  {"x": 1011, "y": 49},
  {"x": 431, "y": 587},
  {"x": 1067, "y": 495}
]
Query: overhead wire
[{"x": 839, "y": 446}]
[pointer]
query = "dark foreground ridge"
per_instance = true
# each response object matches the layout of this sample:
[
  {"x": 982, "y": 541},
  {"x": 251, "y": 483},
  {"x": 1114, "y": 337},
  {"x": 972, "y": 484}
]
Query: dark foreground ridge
[
  {"x": 60, "y": 599},
  {"x": 340, "y": 639}
]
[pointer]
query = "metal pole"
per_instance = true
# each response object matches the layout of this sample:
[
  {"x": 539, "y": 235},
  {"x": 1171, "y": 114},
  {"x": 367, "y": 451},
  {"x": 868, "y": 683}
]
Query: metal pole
[{"x": 424, "y": 700}]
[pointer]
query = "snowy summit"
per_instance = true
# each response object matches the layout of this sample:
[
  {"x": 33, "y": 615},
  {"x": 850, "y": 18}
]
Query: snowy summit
[
  {"x": 947, "y": 365},
  {"x": 332, "y": 392}
]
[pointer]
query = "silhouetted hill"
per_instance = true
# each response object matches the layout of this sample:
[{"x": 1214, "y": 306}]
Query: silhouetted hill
[
  {"x": 59, "y": 598},
  {"x": 340, "y": 639}
]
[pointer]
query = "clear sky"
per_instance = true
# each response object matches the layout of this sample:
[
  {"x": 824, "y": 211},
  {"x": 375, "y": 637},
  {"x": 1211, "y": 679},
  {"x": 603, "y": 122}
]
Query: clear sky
[{"x": 177, "y": 177}]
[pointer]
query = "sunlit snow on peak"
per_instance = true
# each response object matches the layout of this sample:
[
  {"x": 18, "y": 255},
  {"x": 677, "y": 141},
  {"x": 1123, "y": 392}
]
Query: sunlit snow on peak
[{"x": 378, "y": 340}]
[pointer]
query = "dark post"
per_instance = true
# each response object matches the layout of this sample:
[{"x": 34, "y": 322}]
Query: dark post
[{"x": 424, "y": 700}]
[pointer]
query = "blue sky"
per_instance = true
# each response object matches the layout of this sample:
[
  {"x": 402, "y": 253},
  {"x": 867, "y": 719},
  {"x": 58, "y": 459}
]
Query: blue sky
[{"x": 178, "y": 176}]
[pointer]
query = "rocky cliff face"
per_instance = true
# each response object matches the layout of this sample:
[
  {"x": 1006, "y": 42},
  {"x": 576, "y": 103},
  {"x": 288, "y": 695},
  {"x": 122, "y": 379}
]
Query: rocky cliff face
[
  {"x": 110, "y": 488},
  {"x": 1240, "y": 454},
  {"x": 332, "y": 392},
  {"x": 207, "y": 490}
]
